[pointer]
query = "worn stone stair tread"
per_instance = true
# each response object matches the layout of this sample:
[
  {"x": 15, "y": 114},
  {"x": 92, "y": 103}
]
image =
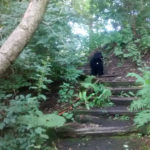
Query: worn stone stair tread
[
  {"x": 108, "y": 75},
  {"x": 104, "y": 130},
  {"x": 94, "y": 129},
  {"x": 121, "y": 110},
  {"x": 103, "y": 121},
  {"x": 124, "y": 89},
  {"x": 132, "y": 142},
  {"x": 122, "y": 100},
  {"x": 113, "y": 98},
  {"x": 118, "y": 83}
]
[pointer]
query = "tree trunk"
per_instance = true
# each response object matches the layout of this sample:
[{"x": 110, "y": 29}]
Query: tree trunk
[{"x": 22, "y": 34}]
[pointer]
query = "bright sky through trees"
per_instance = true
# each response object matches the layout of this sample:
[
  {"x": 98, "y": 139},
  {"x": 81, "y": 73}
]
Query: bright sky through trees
[{"x": 83, "y": 30}]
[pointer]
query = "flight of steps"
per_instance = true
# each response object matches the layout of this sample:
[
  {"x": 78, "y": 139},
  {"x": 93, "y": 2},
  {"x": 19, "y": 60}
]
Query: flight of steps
[{"x": 114, "y": 120}]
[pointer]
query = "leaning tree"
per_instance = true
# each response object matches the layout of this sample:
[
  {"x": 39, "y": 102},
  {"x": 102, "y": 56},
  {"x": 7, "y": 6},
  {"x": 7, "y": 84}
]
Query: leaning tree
[{"x": 17, "y": 40}]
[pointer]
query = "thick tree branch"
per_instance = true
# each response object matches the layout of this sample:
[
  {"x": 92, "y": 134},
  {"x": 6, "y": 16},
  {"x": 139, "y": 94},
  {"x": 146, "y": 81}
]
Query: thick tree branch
[{"x": 22, "y": 34}]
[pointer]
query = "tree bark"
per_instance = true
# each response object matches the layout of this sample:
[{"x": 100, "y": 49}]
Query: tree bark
[{"x": 17, "y": 40}]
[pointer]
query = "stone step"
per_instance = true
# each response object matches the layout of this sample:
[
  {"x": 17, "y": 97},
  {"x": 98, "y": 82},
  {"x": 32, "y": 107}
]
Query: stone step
[
  {"x": 122, "y": 100},
  {"x": 77, "y": 129},
  {"x": 119, "y": 90},
  {"x": 103, "y": 121},
  {"x": 118, "y": 83},
  {"x": 120, "y": 110},
  {"x": 108, "y": 76},
  {"x": 132, "y": 142}
]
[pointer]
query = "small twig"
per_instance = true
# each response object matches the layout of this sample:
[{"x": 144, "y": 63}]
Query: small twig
[{"x": 68, "y": 108}]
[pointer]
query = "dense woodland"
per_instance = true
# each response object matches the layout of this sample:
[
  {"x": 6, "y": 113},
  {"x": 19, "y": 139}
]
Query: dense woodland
[{"x": 40, "y": 90}]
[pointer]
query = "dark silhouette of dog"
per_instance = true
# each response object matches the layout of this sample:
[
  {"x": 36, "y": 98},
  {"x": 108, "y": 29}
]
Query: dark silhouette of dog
[{"x": 96, "y": 64}]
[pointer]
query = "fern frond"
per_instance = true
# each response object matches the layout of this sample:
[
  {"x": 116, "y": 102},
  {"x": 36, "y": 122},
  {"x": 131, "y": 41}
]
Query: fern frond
[
  {"x": 139, "y": 78},
  {"x": 142, "y": 118}
]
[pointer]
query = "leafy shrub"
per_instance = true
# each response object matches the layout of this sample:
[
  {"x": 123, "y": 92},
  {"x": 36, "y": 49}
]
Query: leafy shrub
[
  {"x": 13, "y": 83},
  {"x": 142, "y": 105},
  {"x": 94, "y": 94},
  {"x": 27, "y": 126},
  {"x": 66, "y": 93},
  {"x": 41, "y": 78},
  {"x": 71, "y": 74}
]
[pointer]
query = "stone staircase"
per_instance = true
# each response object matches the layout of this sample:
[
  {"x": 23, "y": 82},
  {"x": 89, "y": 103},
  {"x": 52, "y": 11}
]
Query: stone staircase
[{"x": 114, "y": 120}]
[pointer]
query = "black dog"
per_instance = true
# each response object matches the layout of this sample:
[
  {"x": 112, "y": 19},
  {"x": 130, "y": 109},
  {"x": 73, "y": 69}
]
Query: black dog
[{"x": 96, "y": 64}]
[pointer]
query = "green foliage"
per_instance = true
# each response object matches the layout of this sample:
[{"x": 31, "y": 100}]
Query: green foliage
[
  {"x": 66, "y": 93},
  {"x": 139, "y": 78},
  {"x": 10, "y": 16},
  {"x": 124, "y": 118},
  {"x": 68, "y": 116},
  {"x": 123, "y": 23},
  {"x": 145, "y": 41},
  {"x": 20, "y": 105},
  {"x": 83, "y": 97},
  {"x": 127, "y": 94},
  {"x": 121, "y": 43},
  {"x": 30, "y": 139},
  {"x": 117, "y": 117},
  {"x": 88, "y": 82},
  {"x": 143, "y": 103},
  {"x": 23, "y": 108},
  {"x": 27, "y": 125},
  {"x": 42, "y": 120},
  {"x": 126, "y": 47},
  {"x": 94, "y": 94},
  {"x": 71, "y": 74},
  {"x": 142, "y": 118},
  {"x": 41, "y": 78},
  {"x": 52, "y": 55},
  {"x": 82, "y": 7},
  {"x": 55, "y": 52},
  {"x": 9, "y": 85}
]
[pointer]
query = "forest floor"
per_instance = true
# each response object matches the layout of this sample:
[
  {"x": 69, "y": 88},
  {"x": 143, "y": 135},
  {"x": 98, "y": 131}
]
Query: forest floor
[{"x": 122, "y": 67}]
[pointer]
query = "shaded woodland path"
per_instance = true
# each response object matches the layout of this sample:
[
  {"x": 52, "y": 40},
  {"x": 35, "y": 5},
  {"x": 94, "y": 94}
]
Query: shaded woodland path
[
  {"x": 102, "y": 121},
  {"x": 110, "y": 128}
]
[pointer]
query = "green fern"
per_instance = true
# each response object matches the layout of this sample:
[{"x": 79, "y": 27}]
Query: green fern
[
  {"x": 142, "y": 118},
  {"x": 83, "y": 97},
  {"x": 139, "y": 78},
  {"x": 94, "y": 94},
  {"x": 88, "y": 82},
  {"x": 142, "y": 105}
]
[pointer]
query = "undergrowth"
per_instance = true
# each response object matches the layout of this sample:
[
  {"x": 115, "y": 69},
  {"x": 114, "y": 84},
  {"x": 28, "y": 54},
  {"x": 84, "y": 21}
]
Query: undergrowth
[
  {"x": 142, "y": 105},
  {"x": 94, "y": 94}
]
